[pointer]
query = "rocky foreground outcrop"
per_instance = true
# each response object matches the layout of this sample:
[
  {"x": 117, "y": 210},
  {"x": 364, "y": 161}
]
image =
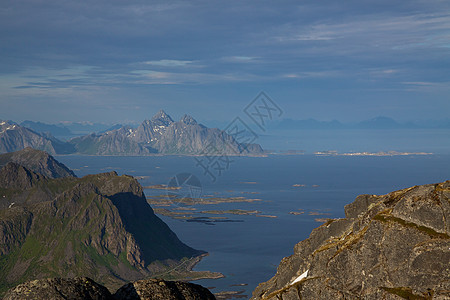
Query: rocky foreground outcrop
[
  {"x": 82, "y": 288},
  {"x": 161, "y": 289},
  {"x": 395, "y": 246}
]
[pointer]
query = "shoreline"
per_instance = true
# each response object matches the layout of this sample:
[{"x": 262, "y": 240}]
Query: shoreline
[
  {"x": 212, "y": 275},
  {"x": 184, "y": 271},
  {"x": 265, "y": 155}
]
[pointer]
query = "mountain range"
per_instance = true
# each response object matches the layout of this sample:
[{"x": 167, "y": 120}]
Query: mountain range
[
  {"x": 159, "y": 135},
  {"x": 101, "y": 226},
  {"x": 380, "y": 122},
  {"x": 67, "y": 130}
]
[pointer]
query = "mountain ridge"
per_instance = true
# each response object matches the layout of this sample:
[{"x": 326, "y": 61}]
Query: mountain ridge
[
  {"x": 37, "y": 161},
  {"x": 162, "y": 135},
  {"x": 158, "y": 135},
  {"x": 14, "y": 137},
  {"x": 99, "y": 226},
  {"x": 376, "y": 123}
]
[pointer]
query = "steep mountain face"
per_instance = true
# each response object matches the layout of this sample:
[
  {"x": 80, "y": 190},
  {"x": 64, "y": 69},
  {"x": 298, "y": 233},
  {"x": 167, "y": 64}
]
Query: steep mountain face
[
  {"x": 98, "y": 226},
  {"x": 37, "y": 161},
  {"x": 162, "y": 135},
  {"x": 388, "y": 247},
  {"x": 115, "y": 142},
  {"x": 14, "y": 137},
  {"x": 82, "y": 288},
  {"x": 150, "y": 131},
  {"x": 189, "y": 137}
]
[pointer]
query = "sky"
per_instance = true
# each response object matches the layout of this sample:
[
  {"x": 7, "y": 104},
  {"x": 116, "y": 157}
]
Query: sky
[{"x": 122, "y": 61}]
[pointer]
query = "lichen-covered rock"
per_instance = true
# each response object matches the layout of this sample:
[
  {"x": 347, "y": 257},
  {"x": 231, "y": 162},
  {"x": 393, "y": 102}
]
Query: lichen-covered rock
[
  {"x": 82, "y": 288},
  {"x": 155, "y": 289},
  {"x": 388, "y": 247},
  {"x": 59, "y": 288}
]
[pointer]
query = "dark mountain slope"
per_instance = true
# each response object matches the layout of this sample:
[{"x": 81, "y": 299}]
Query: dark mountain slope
[
  {"x": 38, "y": 162},
  {"x": 98, "y": 226}
]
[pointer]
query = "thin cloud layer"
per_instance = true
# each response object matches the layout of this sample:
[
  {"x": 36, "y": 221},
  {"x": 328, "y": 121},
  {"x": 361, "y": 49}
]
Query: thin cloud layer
[{"x": 306, "y": 54}]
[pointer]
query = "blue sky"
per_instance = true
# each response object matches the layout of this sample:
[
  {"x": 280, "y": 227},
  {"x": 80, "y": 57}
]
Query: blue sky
[{"x": 121, "y": 61}]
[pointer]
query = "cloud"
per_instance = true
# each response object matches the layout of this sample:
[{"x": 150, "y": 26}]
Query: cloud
[
  {"x": 370, "y": 33},
  {"x": 70, "y": 49},
  {"x": 421, "y": 83},
  {"x": 169, "y": 63},
  {"x": 426, "y": 86},
  {"x": 148, "y": 77},
  {"x": 314, "y": 74},
  {"x": 240, "y": 59}
]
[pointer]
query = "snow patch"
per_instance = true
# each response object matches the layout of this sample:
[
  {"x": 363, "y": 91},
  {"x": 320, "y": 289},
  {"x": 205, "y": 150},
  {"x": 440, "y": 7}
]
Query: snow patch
[
  {"x": 11, "y": 205},
  {"x": 304, "y": 275}
]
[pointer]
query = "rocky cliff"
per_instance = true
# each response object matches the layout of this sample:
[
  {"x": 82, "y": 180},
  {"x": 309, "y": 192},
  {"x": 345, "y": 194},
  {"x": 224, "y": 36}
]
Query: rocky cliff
[
  {"x": 395, "y": 246},
  {"x": 82, "y": 288},
  {"x": 98, "y": 226}
]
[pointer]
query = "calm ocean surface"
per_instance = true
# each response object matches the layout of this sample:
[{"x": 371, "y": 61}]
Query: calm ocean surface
[{"x": 248, "y": 252}]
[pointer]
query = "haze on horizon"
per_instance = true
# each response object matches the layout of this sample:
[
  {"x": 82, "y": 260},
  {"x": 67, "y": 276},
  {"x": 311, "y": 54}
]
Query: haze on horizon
[{"x": 118, "y": 62}]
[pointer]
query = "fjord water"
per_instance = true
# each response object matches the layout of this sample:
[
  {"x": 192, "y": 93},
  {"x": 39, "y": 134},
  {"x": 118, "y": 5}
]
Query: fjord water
[{"x": 248, "y": 251}]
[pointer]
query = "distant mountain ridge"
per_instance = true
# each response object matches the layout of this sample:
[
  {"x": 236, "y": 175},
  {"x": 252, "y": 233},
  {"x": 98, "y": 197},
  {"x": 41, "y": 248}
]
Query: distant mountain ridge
[
  {"x": 159, "y": 135},
  {"x": 380, "y": 122},
  {"x": 14, "y": 137},
  {"x": 55, "y": 130},
  {"x": 162, "y": 135}
]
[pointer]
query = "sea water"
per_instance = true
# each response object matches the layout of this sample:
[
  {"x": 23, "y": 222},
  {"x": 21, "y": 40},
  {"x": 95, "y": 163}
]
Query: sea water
[{"x": 248, "y": 250}]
